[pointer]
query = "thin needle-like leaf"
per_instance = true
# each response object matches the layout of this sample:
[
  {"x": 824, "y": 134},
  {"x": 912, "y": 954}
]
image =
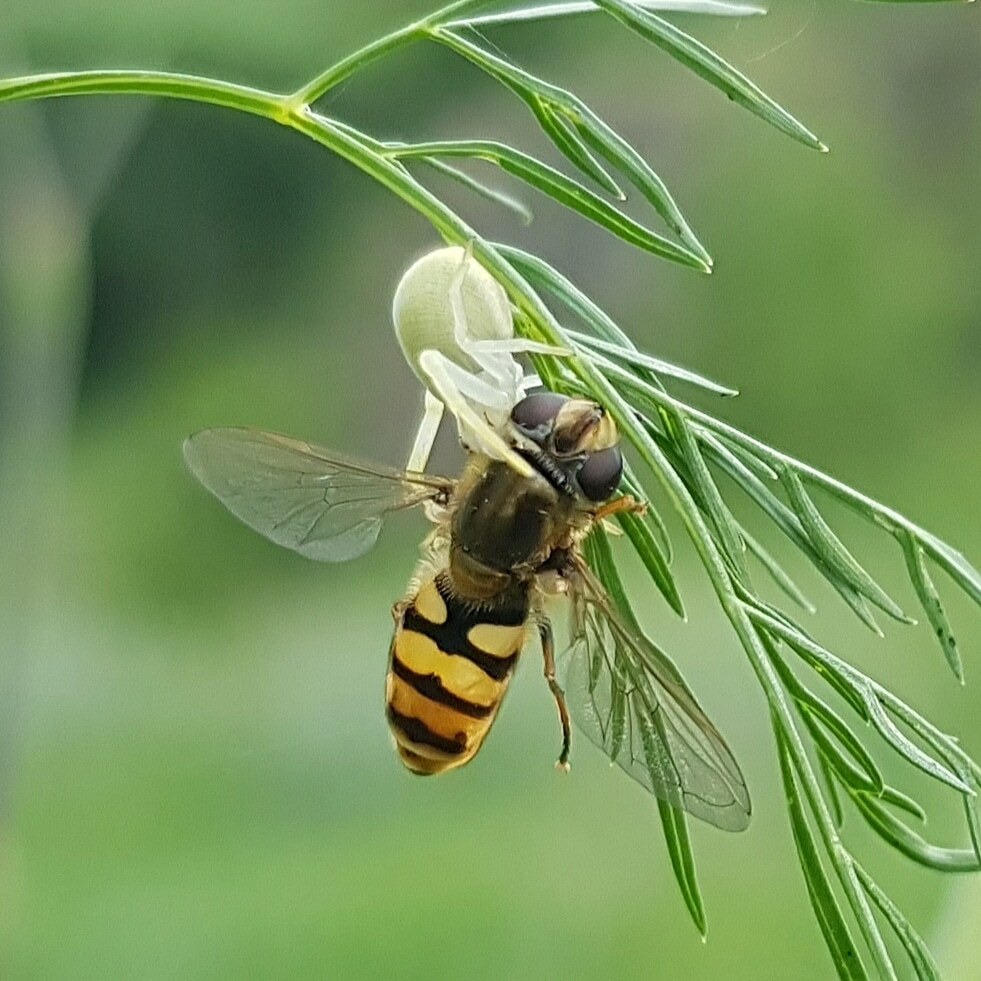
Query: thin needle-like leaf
[
  {"x": 705, "y": 62},
  {"x": 575, "y": 129},
  {"x": 652, "y": 516},
  {"x": 557, "y": 186},
  {"x": 563, "y": 134},
  {"x": 716, "y": 508},
  {"x": 646, "y": 546},
  {"x": 831, "y": 920},
  {"x": 859, "y": 686},
  {"x": 542, "y": 11},
  {"x": 831, "y": 549},
  {"x": 491, "y": 194},
  {"x": 656, "y": 365},
  {"x": 674, "y": 823},
  {"x": 903, "y": 838},
  {"x": 930, "y": 601},
  {"x": 743, "y": 462},
  {"x": 922, "y": 961},
  {"x": 777, "y": 573}
]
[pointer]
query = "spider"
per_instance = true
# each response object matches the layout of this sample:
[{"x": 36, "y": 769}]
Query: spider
[{"x": 453, "y": 322}]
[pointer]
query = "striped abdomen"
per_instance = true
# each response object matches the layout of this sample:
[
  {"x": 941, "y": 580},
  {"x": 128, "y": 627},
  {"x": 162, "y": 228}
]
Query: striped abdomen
[{"x": 449, "y": 668}]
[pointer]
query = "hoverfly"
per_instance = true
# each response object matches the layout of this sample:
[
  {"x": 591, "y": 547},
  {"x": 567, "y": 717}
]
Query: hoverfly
[{"x": 501, "y": 543}]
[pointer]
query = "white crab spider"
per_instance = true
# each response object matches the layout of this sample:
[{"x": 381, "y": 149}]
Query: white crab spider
[{"x": 454, "y": 325}]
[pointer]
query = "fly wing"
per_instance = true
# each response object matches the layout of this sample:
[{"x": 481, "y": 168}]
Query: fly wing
[
  {"x": 630, "y": 700},
  {"x": 316, "y": 502}
]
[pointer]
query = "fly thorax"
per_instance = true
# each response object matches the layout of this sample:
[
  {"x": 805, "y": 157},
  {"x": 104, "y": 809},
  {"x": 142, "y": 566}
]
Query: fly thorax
[{"x": 505, "y": 520}]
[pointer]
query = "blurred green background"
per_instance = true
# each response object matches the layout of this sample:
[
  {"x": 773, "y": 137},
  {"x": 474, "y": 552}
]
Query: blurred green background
[{"x": 196, "y": 779}]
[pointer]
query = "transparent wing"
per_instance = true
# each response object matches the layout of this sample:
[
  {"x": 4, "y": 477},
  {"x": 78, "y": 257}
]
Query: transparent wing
[
  {"x": 316, "y": 502},
  {"x": 628, "y": 697}
]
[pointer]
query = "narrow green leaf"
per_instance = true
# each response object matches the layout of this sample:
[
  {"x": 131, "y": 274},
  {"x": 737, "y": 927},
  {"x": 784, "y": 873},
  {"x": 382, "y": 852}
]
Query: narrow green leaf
[
  {"x": 742, "y": 462},
  {"x": 546, "y": 278},
  {"x": 570, "y": 144},
  {"x": 540, "y": 97},
  {"x": 644, "y": 394},
  {"x": 611, "y": 145},
  {"x": 627, "y": 382},
  {"x": 950, "y": 560},
  {"x": 676, "y": 837},
  {"x": 890, "y": 795},
  {"x": 767, "y": 501},
  {"x": 653, "y": 517},
  {"x": 930, "y": 600},
  {"x": 954, "y": 564},
  {"x": 909, "y": 843},
  {"x": 834, "y": 798},
  {"x": 653, "y": 737},
  {"x": 541, "y": 11},
  {"x": 600, "y": 557},
  {"x": 717, "y": 510},
  {"x": 831, "y": 549},
  {"x": 858, "y": 605},
  {"x": 831, "y": 920},
  {"x": 776, "y": 572},
  {"x": 655, "y": 561},
  {"x": 835, "y": 740},
  {"x": 491, "y": 194},
  {"x": 821, "y": 720},
  {"x": 922, "y": 761},
  {"x": 575, "y": 129},
  {"x": 970, "y": 804},
  {"x": 705, "y": 62},
  {"x": 848, "y": 678},
  {"x": 634, "y": 357},
  {"x": 919, "y": 955},
  {"x": 557, "y": 186},
  {"x": 946, "y": 747}
]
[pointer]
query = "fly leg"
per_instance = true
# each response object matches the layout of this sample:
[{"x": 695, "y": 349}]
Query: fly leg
[
  {"x": 548, "y": 653},
  {"x": 624, "y": 503}
]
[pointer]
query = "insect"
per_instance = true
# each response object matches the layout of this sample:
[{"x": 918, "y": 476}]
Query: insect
[
  {"x": 453, "y": 322},
  {"x": 501, "y": 543}
]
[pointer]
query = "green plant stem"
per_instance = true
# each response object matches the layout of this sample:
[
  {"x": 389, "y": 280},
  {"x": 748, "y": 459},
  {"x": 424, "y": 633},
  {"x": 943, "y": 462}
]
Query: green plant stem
[
  {"x": 269, "y": 105},
  {"x": 416, "y": 31},
  {"x": 164, "y": 84}
]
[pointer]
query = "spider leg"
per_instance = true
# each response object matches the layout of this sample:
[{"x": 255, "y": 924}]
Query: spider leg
[
  {"x": 515, "y": 345},
  {"x": 426, "y": 434},
  {"x": 443, "y": 376},
  {"x": 478, "y": 389},
  {"x": 497, "y": 364},
  {"x": 461, "y": 328},
  {"x": 496, "y": 358}
]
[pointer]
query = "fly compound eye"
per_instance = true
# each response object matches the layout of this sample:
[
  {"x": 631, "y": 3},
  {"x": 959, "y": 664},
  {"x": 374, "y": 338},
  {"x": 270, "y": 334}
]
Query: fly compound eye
[
  {"x": 535, "y": 414},
  {"x": 600, "y": 474}
]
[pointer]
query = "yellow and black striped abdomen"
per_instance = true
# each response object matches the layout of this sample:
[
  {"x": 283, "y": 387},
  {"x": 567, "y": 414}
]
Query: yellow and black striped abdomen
[{"x": 449, "y": 668}]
